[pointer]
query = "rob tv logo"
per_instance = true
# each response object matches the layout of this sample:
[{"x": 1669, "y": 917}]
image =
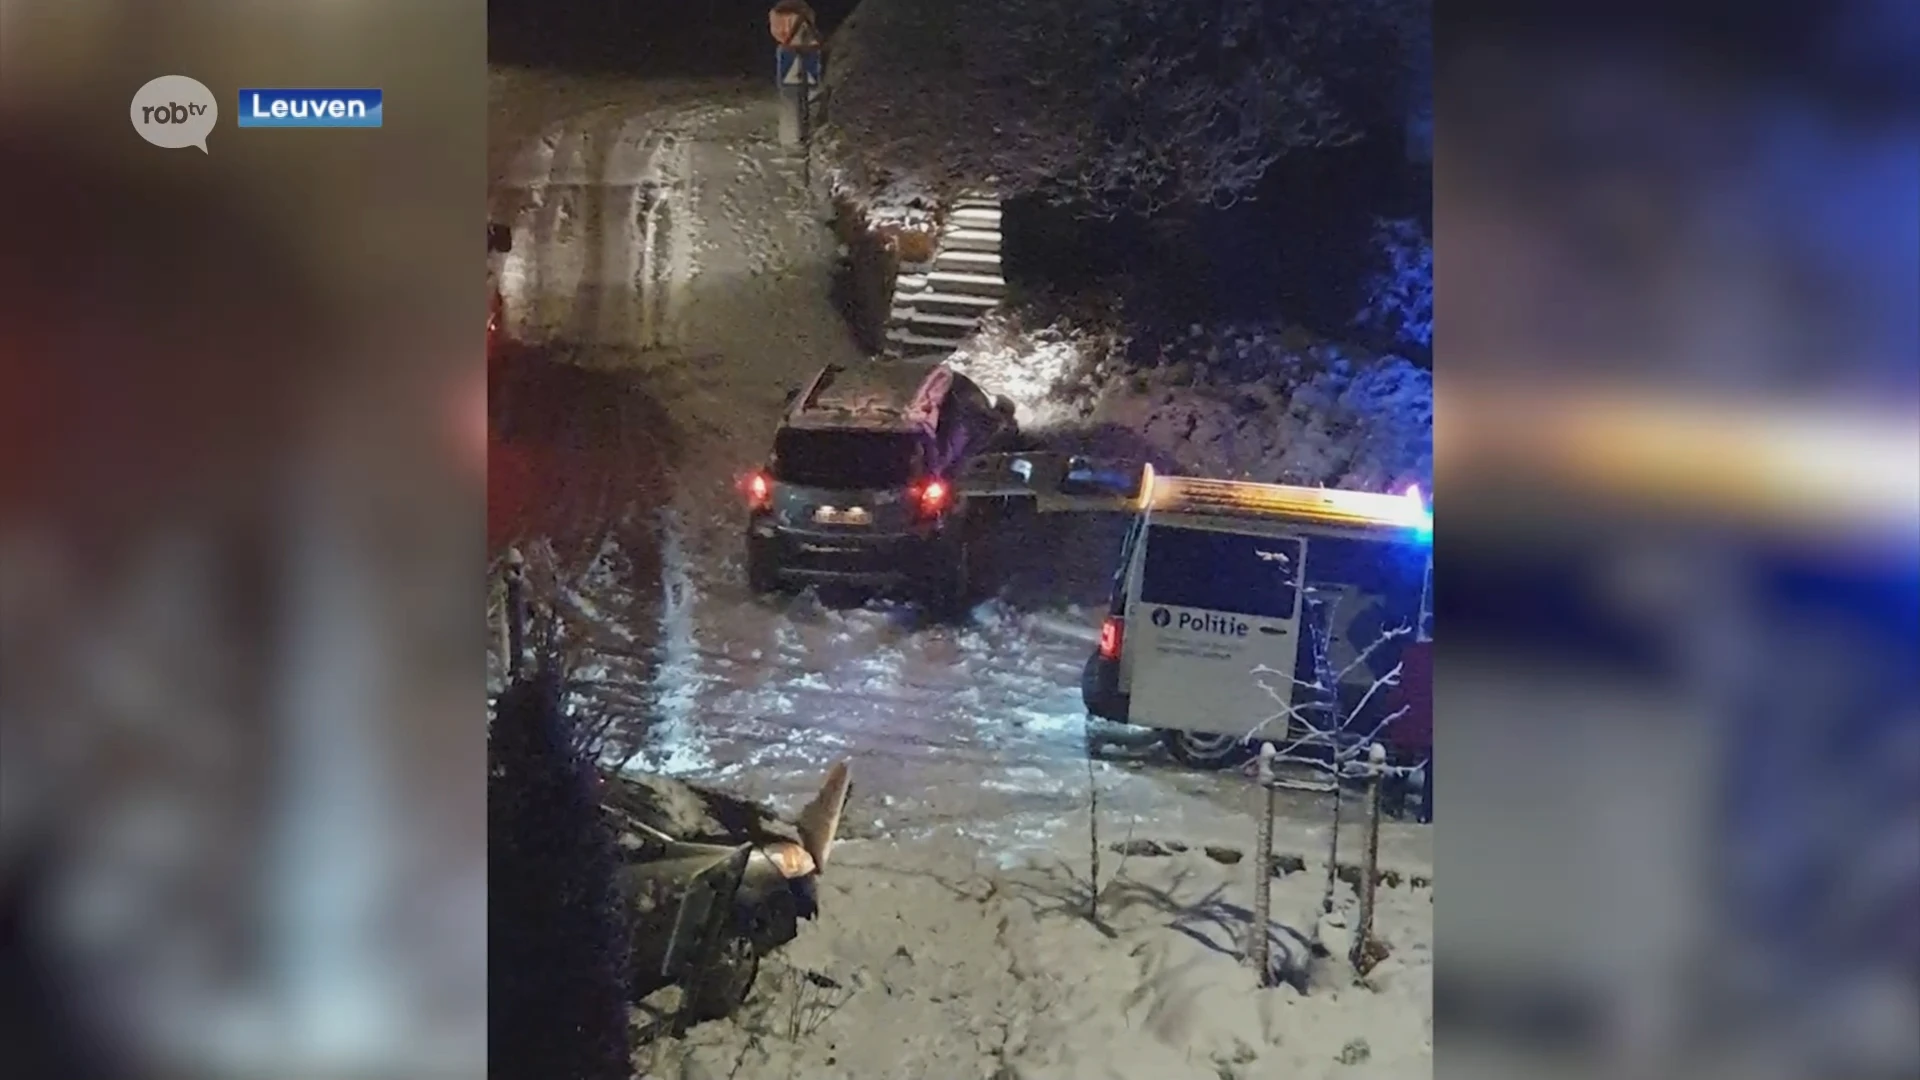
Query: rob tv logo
[
  {"x": 264, "y": 108},
  {"x": 174, "y": 111}
]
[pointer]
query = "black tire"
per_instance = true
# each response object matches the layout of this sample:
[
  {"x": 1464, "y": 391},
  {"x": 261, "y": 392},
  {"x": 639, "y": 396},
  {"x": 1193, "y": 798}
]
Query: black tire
[
  {"x": 727, "y": 981},
  {"x": 763, "y": 567},
  {"x": 1208, "y": 751},
  {"x": 948, "y": 589}
]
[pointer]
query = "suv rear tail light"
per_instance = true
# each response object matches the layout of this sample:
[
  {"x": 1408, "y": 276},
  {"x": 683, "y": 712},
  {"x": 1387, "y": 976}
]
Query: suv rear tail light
[
  {"x": 933, "y": 497},
  {"x": 1112, "y": 634},
  {"x": 759, "y": 490}
]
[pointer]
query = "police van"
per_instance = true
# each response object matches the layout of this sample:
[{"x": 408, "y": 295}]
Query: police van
[{"x": 1246, "y": 612}]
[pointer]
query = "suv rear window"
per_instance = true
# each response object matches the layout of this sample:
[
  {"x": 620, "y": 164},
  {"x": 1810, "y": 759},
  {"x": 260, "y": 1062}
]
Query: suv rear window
[
  {"x": 1255, "y": 576},
  {"x": 845, "y": 460}
]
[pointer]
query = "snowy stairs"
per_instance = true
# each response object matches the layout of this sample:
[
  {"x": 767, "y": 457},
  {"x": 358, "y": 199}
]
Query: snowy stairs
[{"x": 940, "y": 306}]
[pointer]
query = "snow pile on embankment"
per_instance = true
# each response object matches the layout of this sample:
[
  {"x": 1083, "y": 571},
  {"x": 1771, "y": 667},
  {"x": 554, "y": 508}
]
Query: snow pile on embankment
[
  {"x": 929, "y": 961},
  {"x": 1260, "y": 402}
]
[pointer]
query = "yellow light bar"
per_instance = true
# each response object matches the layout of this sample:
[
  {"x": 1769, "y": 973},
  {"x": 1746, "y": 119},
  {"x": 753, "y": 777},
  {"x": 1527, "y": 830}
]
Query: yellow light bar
[{"x": 1330, "y": 506}]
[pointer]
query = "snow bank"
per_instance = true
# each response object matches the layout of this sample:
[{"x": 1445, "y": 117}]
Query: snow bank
[
  {"x": 927, "y": 962},
  {"x": 1050, "y": 370},
  {"x": 898, "y": 204},
  {"x": 1260, "y": 402}
]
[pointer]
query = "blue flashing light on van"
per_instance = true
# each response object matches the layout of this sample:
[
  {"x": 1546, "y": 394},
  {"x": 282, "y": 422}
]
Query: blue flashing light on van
[{"x": 1419, "y": 516}]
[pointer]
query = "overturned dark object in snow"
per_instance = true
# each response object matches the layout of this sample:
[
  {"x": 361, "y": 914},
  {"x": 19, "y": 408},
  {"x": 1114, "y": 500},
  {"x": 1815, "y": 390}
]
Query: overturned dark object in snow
[{"x": 714, "y": 882}]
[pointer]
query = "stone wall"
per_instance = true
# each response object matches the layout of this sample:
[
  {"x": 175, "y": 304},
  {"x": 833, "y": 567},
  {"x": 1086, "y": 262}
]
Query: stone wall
[{"x": 875, "y": 254}]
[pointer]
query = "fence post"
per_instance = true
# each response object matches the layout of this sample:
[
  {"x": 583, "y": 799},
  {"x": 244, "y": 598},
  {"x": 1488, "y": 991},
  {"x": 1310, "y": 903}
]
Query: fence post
[
  {"x": 1260, "y": 944},
  {"x": 516, "y": 579},
  {"x": 1369, "y": 870}
]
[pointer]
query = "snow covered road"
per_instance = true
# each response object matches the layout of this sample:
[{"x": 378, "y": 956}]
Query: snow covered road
[
  {"x": 674, "y": 252},
  {"x": 666, "y": 252}
]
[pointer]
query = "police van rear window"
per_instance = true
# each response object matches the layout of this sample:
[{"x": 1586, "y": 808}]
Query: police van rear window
[{"x": 1256, "y": 576}]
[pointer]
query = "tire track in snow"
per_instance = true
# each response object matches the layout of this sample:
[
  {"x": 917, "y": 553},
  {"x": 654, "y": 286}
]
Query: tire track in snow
[
  {"x": 606, "y": 303},
  {"x": 601, "y": 254},
  {"x": 675, "y": 743},
  {"x": 677, "y": 228},
  {"x": 656, "y": 279},
  {"x": 558, "y": 268}
]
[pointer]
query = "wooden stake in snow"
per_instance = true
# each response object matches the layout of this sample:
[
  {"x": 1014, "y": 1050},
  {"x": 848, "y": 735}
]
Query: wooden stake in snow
[
  {"x": 1093, "y": 834},
  {"x": 1369, "y": 870},
  {"x": 1333, "y": 844},
  {"x": 1259, "y": 944}
]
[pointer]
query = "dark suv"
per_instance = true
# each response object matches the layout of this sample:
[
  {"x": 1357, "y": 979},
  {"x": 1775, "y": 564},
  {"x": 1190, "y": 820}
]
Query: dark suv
[{"x": 859, "y": 489}]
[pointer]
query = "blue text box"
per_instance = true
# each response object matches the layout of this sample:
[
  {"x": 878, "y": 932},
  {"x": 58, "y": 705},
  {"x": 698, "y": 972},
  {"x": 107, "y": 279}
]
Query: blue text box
[{"x": 304, "y": 108}]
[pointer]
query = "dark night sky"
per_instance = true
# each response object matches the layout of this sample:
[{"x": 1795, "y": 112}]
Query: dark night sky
[{"x": 643, "y": 37}]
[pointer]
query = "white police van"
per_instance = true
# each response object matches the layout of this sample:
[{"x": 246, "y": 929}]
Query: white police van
[{"x": 1234, "y": 602}]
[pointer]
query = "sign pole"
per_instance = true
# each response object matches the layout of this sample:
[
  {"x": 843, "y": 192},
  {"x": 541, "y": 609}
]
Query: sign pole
[
  {"x": 796, "y": 68},
  {"x": 793, "y": 104},
  {"x": 806, "y": 136},
  {"x": 806, "y": 143}
]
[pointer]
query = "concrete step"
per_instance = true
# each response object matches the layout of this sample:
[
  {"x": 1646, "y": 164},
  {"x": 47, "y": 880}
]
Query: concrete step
[
  {"x": 966, "y": 283},
  {"x": 977, "y": 262},
  {"x": 970, "y": 240},
  {"x": 898, "y": 350},
  {"x": 906, "y": 283},
  {"x": 908, "y": 337},
  {"x": 954, "y": 303},
  {"x": 929, "y": 318},
  {"x": 975, "y": 217},
  {"x": 943, "y": 332},
  {"x": 977, "y": 200}
]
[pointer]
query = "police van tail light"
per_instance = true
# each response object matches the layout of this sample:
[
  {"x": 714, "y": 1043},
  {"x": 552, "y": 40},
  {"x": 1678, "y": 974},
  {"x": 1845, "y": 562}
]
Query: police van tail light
[{"x": 1112, "y": 634}]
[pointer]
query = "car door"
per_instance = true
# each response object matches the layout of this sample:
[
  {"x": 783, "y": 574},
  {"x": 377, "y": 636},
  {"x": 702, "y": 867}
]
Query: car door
[{"x": 981, "y": 425}]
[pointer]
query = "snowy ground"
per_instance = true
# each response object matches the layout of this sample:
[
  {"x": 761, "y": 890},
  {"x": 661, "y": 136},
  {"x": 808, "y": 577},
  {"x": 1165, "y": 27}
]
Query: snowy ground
[
  {"x": 665, "y": 246},
  {"x": 929, "y": 963}
]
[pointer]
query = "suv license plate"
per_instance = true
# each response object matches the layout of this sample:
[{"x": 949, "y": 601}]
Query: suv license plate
[{"x": 853, "y": 515}]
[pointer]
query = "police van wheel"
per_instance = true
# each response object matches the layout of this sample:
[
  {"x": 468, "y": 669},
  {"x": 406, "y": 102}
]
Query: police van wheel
[{"x": 1207, "y": 751}]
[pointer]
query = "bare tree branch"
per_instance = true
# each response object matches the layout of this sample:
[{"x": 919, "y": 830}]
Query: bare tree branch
[{"x": 1312, "y": 713}]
